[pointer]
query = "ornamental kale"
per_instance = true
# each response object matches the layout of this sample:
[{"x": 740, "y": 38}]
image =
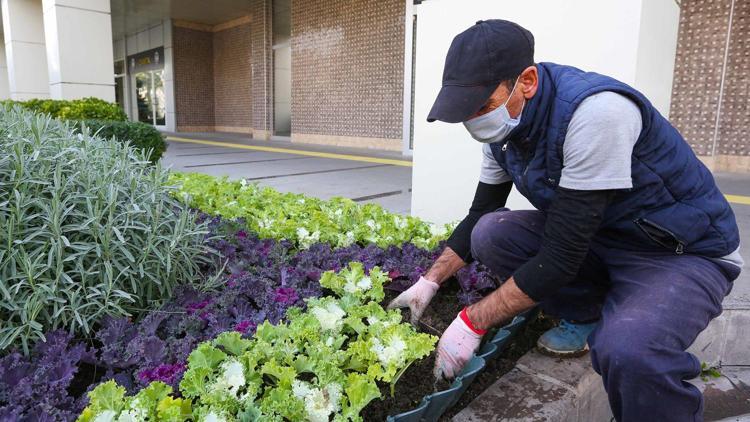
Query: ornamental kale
[
  {"x": 302, "y": 220},
  {"x": 108, "y": 402},
  {"x": 326, "y": 361},
  {"x": 36, "y": 387}
]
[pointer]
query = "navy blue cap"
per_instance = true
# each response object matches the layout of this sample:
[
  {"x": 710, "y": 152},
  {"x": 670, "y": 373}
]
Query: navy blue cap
[{"x": 478, "y": 60}]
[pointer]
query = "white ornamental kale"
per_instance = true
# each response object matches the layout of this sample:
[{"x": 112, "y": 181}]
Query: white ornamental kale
[
  {"x": 136, "y": 413},
  {"x": 319, "y": 402},
  {"x": 438, "y": 230},
  {"x": 352, "y": 286},
  {"x": 393, "y": 352},
  {"x": 346, "y": 239},
  {"x": 305, "y": 238},
  {"x": 105, "y": 416},
  {"x": 232, "y": 377},
  {"x": 400, "y": 222},
  {"x": 331, "y": 317},
  {"x": 213, "y": 417},
  {"x": 265, "y": 223}
]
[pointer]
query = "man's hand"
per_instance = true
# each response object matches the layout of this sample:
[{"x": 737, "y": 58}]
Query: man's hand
[
  {"x": 416, "y": 297},
  {"x": 456, "y": 346}
]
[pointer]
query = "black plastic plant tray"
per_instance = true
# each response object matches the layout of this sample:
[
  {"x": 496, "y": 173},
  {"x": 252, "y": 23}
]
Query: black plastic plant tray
[{"x": 434, "y": 405}]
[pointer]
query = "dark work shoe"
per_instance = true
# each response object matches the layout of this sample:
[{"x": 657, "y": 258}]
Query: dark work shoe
[{"x": 567, "y": 340}]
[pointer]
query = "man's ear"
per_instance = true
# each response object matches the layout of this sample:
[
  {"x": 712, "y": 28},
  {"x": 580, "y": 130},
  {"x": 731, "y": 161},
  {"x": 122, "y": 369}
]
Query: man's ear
[{"x": 529, "y": 80}]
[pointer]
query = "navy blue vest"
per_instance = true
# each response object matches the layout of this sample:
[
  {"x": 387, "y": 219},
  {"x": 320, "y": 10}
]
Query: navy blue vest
[{"x": 674, "y": 204}]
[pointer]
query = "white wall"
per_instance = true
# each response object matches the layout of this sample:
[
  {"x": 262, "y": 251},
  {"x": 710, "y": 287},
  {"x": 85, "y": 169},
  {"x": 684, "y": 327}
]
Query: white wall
[
  {"x": 595, "y": 35},
  {"x": 657, "y": 48}
]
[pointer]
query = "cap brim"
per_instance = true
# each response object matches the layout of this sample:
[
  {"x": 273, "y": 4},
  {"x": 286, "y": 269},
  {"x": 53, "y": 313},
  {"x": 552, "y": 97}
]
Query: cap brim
[{"x": 455, "y": 104}]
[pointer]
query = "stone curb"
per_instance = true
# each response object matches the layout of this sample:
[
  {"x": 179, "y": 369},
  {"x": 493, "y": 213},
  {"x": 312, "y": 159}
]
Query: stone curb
[{"x": 541, "y": 388}]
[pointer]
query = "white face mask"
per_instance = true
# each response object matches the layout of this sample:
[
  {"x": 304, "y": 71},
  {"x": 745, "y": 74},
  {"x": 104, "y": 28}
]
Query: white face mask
[{"x": 495, "y": 125}]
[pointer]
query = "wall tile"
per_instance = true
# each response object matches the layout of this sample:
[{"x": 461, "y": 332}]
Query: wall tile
[
  {"x": 701, "y": 47},
  {"x": 233, "y": 77},
  {"x": 734, "y": 125},
  {"x": 193, "y": 77},
  {"x": 347, "y": 67}
]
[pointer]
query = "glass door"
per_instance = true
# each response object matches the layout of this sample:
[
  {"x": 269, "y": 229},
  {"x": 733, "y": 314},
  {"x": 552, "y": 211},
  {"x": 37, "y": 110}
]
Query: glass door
[{"x": 150, "y": 99}]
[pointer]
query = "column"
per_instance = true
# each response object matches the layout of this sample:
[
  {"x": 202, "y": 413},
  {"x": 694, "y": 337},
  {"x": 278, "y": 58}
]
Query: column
[
  {"x": 78, "y": 35},
  {"x": 25, "y": 53},
  {"x": 169, "y": 76},
  {"x": 4, "y": 85}
]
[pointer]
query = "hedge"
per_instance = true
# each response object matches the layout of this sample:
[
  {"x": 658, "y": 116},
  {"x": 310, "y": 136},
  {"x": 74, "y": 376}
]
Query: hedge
[
  {"x": 82, "y": 109},
  {"x": 141, "y": 136}
]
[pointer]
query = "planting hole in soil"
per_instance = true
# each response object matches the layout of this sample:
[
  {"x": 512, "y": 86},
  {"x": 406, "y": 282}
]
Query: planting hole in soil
[{"x": 418, "y": 380}]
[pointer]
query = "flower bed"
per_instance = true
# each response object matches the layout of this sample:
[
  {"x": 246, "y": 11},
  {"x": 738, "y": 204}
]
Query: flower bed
[
  {"x": 268, "y": 294},
  {"x": 262, "y": 279}
]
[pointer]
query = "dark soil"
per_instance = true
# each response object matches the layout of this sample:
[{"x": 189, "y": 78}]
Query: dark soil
[{"x": 418, "y": 380}]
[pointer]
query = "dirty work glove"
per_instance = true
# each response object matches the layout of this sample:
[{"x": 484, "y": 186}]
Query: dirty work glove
[
  {"x": 458, "y": 343},
  {"x": 416, "y": 297}
]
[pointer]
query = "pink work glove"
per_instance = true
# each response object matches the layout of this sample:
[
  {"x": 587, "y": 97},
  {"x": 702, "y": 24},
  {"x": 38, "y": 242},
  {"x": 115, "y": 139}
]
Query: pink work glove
[
  {"x": 416, "y": 297},
  {"x": 458, "y": 343}
]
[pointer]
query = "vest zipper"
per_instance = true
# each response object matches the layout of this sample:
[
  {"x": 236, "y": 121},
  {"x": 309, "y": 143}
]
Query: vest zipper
[{"x": 679, "y": 249}]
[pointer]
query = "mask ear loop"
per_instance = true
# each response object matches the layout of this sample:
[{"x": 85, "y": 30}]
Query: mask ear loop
[
  {"x": 511, "y": 91},
  {"x": 511, "y": 94}
]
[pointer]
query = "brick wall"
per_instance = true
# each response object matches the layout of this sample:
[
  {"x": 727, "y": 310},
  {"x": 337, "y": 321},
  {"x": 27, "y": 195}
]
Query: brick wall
[
  {"x": 714, "y": 118},
  {"x": 193, "y": 79},
  {"x": 347, "y": 72},
  {"x": 232, "y": 57}
]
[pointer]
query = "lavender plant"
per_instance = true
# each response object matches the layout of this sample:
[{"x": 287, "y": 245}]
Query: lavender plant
[{"x": 87, "y": 228}]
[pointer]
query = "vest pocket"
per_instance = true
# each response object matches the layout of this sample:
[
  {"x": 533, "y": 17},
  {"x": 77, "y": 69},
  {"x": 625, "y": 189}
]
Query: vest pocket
[{"x": 660, "y": 235}]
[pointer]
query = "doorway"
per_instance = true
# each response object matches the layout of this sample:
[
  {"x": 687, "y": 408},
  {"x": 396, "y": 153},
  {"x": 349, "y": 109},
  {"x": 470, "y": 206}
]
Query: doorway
[
  {"x": 148, "y": 102},
  {"x": 150, "y": 99},
  {"x": 282, "y": 67}
]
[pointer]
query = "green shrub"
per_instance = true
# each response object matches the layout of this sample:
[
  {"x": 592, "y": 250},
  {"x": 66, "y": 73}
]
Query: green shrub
[
  {"x": 88, "y": 228},
  {"x": 141, "y": 136},
  {"x": 85, "y": 108}
]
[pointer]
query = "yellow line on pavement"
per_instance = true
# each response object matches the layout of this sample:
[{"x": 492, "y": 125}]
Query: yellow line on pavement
[
  {"x": 738, "y": 199},
  {"x": 735, "y": 199},
  {"x": 349, "y": 157}
]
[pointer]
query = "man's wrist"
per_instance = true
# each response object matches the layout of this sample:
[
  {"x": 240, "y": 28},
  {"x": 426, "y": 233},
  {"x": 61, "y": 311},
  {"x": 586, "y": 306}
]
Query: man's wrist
[
  {"x": 499, "y": 306},
  {"x": 465, "y": 318}
]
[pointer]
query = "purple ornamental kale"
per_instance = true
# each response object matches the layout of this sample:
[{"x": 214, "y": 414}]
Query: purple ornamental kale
[
  {"x": 286, "y": 296},
  {"x": 169, "y": 374},
  {"x": 37, "y": 387}
]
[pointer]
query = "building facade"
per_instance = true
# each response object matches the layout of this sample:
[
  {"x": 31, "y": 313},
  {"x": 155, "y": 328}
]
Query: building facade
[
  {"x": 316, "y": 71},
  {"x": 362, "y": 74}
]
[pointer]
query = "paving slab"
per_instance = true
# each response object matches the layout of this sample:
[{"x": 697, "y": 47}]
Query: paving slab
[
  {"x": 541, "y": 388},
  {"x": 218, "y": 157},
  {"x": 354, "y": 185},
  {"x": 727, "y": 396}
]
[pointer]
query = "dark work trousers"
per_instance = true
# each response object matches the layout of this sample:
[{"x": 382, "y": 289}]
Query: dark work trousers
[{"x": 651, "y": 308}]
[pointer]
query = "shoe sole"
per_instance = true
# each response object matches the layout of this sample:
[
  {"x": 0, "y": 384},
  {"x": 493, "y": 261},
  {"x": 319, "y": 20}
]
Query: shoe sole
[{"x": 564, "y": 355}]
